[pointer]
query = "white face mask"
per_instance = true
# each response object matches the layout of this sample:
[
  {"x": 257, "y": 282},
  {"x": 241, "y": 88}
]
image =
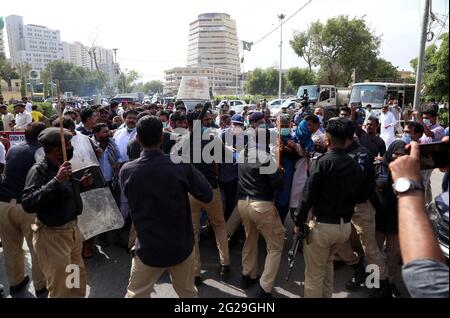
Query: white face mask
[{"x": 320, "y": 118}]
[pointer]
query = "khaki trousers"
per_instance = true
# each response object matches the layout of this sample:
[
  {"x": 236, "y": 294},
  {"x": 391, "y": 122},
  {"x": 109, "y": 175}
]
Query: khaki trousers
[
  {"x": 15, "y": 225},
  {"x": 261, "y": 217},
  {"x": 59, "y": 253},
  {"x": 233, "y": 221},
  {"x": 143, "y": 278},
  {"x": 393, "y": 255},
  {"x": 364, "y": 222},
  {"x": 318, "y": 251},
  {"x": 214, "y": 211}
]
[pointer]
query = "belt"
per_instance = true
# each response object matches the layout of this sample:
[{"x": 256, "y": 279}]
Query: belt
[
  {"x": 66, "y": 226},
  {"x": 333, "y": 219},
  {"x": 252, "y": 198}
]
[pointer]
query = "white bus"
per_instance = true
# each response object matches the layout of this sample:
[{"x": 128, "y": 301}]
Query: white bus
[{"x": 379, "y": 94}]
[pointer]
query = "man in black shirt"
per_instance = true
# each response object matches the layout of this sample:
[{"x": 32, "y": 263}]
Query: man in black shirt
[
  {"x": 258, "y": 213},
  {"x": 161, "y": 214},
  {"x": 214, "y": 209},
  {"x": 363, "y": 220},
  {"x": 371, "y": 140},
  {"x": 15, "y": 223},
  {"x": 54, "y": 195},
  {"x": 332, "y": 191}
]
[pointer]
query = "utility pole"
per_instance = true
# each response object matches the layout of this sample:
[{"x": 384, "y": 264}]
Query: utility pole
[
  {"x": 420, "y": 65},
  {"x": 281, "y": 17}
]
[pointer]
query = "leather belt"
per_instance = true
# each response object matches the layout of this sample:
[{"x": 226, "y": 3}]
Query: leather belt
[{"x": 333, "y": 219}]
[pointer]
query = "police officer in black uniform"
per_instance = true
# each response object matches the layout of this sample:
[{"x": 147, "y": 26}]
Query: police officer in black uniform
[{"x": 331, "y": 191}]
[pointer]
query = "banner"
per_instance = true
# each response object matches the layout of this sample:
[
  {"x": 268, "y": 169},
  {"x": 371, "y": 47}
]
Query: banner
[{"x": 247, "y": 46}]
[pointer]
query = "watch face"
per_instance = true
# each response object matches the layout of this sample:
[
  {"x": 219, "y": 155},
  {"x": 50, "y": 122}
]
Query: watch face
[{"x": 402, "y": 185}]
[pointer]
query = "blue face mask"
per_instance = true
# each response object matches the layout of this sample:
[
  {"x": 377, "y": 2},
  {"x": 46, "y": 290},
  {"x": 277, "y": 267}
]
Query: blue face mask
[
  {"x": 285, "y": 132},
  {"x": 406, "y": 138},
  {"x": 263, "y": 126},
  {"x": 165, "y": 124},
  {"x": 428, "y": 122}
]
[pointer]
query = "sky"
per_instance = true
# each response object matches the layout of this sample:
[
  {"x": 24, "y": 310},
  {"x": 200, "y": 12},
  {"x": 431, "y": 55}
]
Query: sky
[{"x": 152, "y": 36}]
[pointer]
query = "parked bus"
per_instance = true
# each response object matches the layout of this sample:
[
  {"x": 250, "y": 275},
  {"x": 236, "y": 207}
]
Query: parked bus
[{"x": 379, "y": 94}]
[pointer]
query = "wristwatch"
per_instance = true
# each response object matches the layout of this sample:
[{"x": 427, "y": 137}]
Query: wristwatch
[{"x": 404, "y": 185}]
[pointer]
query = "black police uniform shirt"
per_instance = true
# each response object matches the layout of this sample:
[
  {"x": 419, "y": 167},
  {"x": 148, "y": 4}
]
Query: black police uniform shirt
[
  {"x": 374, "y": 144},
  {"x": 254, "y": 184},
  {"x": 54, "y": 203},
  {"x": 332, "y": 189},
  {"x": 157, "y": 191},
  {"x": 19, "y": 160}
]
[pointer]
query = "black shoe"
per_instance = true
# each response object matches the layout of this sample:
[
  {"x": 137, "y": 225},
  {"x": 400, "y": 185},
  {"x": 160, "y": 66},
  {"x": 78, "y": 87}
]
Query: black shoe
[
  {"x": 41, "y": 292},
  {"x": 358, "y": 279},
  {"x": 385, "y": 290},
  {"x": 338, "y": 264},
  {"x": 395, "y": 291},
  {"x": 15, "y": 289},
  {"x": 224, "y": 271},
  {"x": 261, "y": 293},
  {"x": 198, "y": 281},
  {"x": 247, "y": 282},
  {"x": 232, "y": 241}
]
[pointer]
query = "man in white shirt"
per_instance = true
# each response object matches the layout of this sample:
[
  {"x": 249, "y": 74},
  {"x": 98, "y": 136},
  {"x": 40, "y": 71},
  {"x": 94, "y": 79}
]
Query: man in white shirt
[
  {"x": 27, "y": 104},
  {"x": 2, "y": 157},
  {"x": 125, "y": 134},
  {"x": 388, "y": 122},
  {"x": 7, "y": 118},
  {"x": 23, "y": 118}
]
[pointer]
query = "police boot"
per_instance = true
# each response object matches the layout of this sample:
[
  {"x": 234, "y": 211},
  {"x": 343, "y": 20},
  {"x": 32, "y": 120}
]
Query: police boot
[
  {"x": 359, "y": 277},
  {"x": 262, "y": 294},
  {"x": 385, "y": 290}
]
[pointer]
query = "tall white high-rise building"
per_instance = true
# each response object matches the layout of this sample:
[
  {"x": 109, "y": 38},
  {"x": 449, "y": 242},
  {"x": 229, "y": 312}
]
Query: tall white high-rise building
[
  {"x": 213, "y": 42},
  {"x": 77, "y": 54},
  {"x": 33, "y": 44},
  {"x": 2, "y": 43}
]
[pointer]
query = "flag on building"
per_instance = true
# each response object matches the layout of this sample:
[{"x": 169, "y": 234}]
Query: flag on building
[
  {"x": 247, "y": 45},
  {"x": 2, "y": 23}
]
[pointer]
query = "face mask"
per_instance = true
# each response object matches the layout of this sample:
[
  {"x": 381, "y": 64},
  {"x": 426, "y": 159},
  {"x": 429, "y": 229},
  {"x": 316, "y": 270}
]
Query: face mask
[
  {"x": 69, "y": 152},
  {"x": 165, "y": 124},
  {"x": 263, "y": 126},
  {"x": 428, "y": 122},
  {"x": 406, "y": 138},
  {"x": 285, "y": 132},
  {"x": 130, "y": 130},
  {"x": 320, "y": 118}
]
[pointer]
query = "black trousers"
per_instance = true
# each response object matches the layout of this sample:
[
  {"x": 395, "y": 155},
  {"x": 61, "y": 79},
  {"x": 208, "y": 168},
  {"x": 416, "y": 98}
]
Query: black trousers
[{"x": 229, "y": 196}]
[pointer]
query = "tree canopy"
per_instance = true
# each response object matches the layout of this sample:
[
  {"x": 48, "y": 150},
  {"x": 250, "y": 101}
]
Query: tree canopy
[{"x": 436, "y": 70}]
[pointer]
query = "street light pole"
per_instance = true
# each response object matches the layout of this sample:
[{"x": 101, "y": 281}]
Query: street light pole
[
  {"x": 420, "y": 65},
  {"x": 281, "y": 17}
]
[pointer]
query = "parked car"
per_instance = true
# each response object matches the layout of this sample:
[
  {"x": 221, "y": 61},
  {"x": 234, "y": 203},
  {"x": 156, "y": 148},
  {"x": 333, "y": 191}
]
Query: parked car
[
  {"x": 290, "y": 104},
  {"x": 438, "y": 213},
  {"x": 232, "y": 103},
  {"x": 275, "y": 103}
]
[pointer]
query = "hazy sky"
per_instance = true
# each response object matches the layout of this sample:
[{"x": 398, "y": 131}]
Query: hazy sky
[{"x": 152, "y": 36}]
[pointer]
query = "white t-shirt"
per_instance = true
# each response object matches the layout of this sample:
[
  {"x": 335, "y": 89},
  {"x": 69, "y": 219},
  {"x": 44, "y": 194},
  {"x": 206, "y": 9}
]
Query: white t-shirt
[
  {"x": 122, "y": 137},
  {"x": 22, "y": 120},
  {"x": 2, "y": 154}
]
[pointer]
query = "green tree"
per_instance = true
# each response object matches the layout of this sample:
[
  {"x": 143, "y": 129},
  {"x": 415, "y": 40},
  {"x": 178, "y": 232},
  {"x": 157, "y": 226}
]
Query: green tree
[
  {"x": 78, "y": 80},
  {"x": 302, "y": 44},
  {"x": 436, "y": 70},
  {"x": 127, "y": 81},
  {"x": 297, "y": 77},
  {"x": 264, "y": 82},
  {"x": 338, "y": 47},
  {"x": 382, "y": 69},
  {"x": 7, "y": 71}
]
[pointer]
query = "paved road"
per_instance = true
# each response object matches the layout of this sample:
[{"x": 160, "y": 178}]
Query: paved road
[{"x": 108, "y": 272}]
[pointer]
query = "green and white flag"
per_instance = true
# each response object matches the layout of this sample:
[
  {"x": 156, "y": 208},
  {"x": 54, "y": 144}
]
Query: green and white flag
[
  {"x": 247, "y": 45},
  {"x": 2, "y": 23}
]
